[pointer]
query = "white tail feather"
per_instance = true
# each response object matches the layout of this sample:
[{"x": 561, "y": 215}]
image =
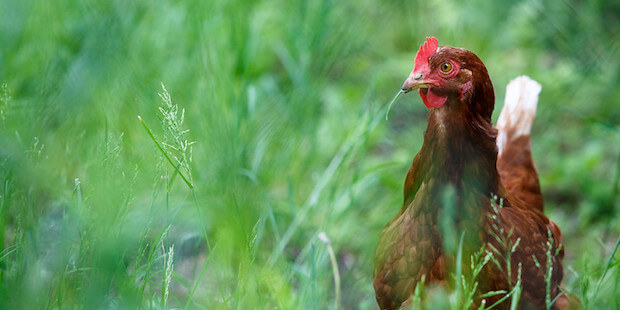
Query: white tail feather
[{"x": 519, "y": 110}]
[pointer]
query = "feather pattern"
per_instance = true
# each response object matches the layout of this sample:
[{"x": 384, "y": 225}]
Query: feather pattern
[{"x": 459, "y": 157}]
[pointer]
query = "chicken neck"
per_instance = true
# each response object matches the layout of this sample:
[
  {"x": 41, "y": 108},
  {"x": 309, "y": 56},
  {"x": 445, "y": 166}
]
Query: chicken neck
[{"x": 456, "y": 170}]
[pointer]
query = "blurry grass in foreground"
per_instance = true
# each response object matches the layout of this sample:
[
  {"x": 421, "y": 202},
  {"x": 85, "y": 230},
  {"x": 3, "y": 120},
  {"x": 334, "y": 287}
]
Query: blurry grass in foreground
[{"x": 285, "y": 102}]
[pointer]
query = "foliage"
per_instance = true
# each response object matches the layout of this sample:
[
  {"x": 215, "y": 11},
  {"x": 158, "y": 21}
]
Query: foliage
[{"x": 274, "y": 115}]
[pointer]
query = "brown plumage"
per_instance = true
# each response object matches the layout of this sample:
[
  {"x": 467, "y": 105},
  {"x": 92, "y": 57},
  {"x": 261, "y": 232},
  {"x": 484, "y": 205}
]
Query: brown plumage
[{"x": 453, "y": 180}]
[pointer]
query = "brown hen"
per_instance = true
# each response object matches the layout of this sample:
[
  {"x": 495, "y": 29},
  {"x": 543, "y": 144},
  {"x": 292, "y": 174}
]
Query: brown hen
[{"x": 459, "y": 188}]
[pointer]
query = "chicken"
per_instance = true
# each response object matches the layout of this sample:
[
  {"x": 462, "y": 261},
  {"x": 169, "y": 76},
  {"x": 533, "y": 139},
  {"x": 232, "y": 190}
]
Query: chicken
[{"x": 470, "y": 179}]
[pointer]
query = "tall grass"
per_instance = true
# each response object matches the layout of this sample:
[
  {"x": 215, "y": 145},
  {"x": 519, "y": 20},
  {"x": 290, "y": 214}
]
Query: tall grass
[{"x": 272, "y": 132}]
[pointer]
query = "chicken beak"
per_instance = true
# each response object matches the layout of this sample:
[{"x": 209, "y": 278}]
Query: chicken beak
[{"x": 414, "y": 81}]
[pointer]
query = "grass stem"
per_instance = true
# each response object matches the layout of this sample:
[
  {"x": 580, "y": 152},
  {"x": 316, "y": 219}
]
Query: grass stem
[
  {"x": 611, "y": 256},
  {"x": 400, "y": 92},
  {"x": 334, "y": 262},
  {"x": 189, "y": 184}
]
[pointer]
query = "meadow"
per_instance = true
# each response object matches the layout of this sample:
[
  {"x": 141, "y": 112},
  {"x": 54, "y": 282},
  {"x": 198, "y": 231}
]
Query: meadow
[{"x": 234, "y": 154}]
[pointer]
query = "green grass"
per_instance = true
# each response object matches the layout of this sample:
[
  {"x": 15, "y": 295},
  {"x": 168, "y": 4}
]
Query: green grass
[{"x": 271, "y": 139}]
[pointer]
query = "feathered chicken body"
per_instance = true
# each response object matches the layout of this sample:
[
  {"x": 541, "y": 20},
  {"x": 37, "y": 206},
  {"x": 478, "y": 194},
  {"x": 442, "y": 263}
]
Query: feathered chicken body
[{"x": 454, "y": 181}]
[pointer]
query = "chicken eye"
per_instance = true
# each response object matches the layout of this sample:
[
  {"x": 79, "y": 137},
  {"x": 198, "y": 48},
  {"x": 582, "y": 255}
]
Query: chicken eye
[{"x": 446, "y": 67}]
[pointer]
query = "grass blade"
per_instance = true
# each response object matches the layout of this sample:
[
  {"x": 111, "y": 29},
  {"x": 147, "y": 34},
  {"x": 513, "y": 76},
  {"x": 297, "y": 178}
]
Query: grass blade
[
  {"x": 400, "y": 92},
  {"x": 189, "y": 184},
  {"x": 611, "y": 256}
]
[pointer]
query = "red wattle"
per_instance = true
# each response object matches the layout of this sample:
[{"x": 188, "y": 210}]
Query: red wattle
[{"x": 432, "y": 100}]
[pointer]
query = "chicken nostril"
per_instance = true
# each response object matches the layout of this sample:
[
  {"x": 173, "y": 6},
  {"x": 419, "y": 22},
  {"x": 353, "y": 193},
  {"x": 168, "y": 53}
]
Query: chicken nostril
[{"x": 417, "y": 76}]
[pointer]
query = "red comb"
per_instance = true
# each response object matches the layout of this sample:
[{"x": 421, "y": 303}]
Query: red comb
[{"x": 426, "y": 51}]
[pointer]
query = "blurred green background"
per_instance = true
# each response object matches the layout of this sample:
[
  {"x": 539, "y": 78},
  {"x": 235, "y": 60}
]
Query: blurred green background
[{"x": 285, "y": 102}]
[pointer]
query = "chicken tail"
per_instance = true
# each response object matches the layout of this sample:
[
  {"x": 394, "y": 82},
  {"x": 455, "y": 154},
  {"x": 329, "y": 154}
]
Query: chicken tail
[
  {"x": 515, "y": 164},
  {"x": 518, "y": 112}
]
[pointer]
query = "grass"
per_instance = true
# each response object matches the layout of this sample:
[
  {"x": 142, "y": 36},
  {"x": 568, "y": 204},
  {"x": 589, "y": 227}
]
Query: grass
[{"x": 268, "y": 135}]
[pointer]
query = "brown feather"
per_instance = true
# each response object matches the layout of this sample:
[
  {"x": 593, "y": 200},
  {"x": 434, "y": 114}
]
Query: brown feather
[{"x": 459, "y": 153}]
